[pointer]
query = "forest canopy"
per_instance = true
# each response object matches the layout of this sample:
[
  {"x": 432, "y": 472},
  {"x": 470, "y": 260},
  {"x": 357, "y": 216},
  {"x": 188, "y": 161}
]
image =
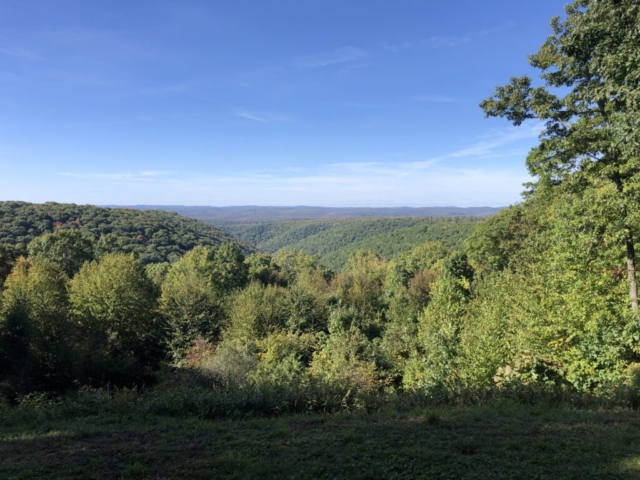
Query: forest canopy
[
  {"x": 335, "y": 240},
  {"x": 153, "y": 235}
]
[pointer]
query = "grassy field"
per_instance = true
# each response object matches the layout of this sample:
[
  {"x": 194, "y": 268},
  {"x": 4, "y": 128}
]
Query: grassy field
[{"x": 507, "y": 442}]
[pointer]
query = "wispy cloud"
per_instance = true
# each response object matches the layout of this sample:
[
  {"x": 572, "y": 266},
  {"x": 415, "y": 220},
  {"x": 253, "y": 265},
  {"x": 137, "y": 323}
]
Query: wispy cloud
[
  {"x": 397, "y": 47},
  {"x": 324, "y": 59},
  {"x": 177, "y": 88},
  {"x": 328, "y": 185},
  {"x": 18, "y": 51},
  {"x": 147, "y": 175},
  {"x": 365, "y": 105},
  {"x": 440, "y": 180},
  {"x": 261, "y": 117},
  {"x": 436, "y": 98},
  {"x": 445, "y": 41}
]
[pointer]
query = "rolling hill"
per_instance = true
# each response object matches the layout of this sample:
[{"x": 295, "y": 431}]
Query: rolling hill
[
  {"x": 154, "y": 235},
  {"x": 335, "y": 240}
]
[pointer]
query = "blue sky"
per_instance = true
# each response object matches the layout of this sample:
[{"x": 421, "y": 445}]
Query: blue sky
[{"x": 255, "y": 102}]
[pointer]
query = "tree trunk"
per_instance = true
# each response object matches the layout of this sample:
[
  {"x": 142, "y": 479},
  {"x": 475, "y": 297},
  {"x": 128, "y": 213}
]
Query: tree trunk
[
  {"x": 631, "y": 251},
  {"x": 631, "y": 270}
]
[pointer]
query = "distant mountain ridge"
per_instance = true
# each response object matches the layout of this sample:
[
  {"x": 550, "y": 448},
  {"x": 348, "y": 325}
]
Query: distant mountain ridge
[{"x": 251, "y": 213}]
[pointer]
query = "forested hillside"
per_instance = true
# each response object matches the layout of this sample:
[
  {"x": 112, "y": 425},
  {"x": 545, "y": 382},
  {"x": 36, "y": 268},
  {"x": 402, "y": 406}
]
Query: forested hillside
[
  {"x": 336, "y": 240},
  {"x": 153, "y": 235},
  {"x": 536, "y": 306}
]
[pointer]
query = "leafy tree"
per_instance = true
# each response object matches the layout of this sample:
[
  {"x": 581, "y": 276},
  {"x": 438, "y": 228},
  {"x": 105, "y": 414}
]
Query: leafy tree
[
  {"x": 8, "y": 256},
  {"x": 114, "y": 303},
  {"x": 590, "y": 105},
  {"x": 36, "y": 336},
  {"x": 69, "y": 248},
  {"x": 309, "y": 303},
  {"x": 292, "y": 263},
  {"x": 361, "y": 284},
  {"x": 502, "y": 240},
  {"x": 110, "y": 243},
  {"x": 258, "y": 311},
  {"x": 190, "y": 301},
  {"x": 157, "y": 272},
  {"x": 230, "y": 271},
  {"x": 262, "y": 268},
  {"x": 439, "y": 329}
]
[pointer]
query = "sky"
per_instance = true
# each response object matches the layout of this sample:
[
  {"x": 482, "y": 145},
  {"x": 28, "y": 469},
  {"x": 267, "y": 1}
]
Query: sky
[{"x": 254, "y": 102}]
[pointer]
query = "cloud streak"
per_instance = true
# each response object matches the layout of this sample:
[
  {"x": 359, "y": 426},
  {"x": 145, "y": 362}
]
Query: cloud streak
[
  {"x": 17, "y": 51},
  {"x": 260, "y": 117},
  {"x": 325, "y": 59},
  {"x": 436, "y": 98},
  {"x": 445, "y": 41},
  {"x": 444, "y": 179},
  {"x": 121, "y": 176}
]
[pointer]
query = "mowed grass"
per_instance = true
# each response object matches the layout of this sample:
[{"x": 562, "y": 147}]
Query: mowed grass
[{"x": 507, "y": 441}]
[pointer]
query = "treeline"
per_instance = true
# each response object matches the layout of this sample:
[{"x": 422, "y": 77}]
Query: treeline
[
  {"x": 532, "y": 304},
  {"x": 152, "y": 235},
  {"x": 336, "y": 240}
]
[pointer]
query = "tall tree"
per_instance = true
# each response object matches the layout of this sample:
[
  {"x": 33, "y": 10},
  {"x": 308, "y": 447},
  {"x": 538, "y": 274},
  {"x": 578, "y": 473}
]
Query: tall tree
[
  {"x": 590, "y": 102},
  {"x": 113, "y": 302},
  {"x": 66, "y": 247}
]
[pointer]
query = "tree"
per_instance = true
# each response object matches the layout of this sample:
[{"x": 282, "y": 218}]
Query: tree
[
  {"x": 114, "y": 303},
  {"x": 36, "y": 336},
  {"x": 230, "y": 271},
  {"x": 190, "y": 303},
  {"x": 7, "y": 259},
  {"x": 590, "y": 103},
  {"x": 66, "y": 247}
]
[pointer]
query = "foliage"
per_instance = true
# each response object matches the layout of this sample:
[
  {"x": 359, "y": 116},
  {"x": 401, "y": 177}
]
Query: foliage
[
  {"x": 114, "y": 304},
  {"x": 36, "y": 336},
  {"x": 153, "y": 235},
  {"x": 590, "y": 107},
  {"x": 337, "y": 240},
  {"x": 193, "y": 295},
  {"x": 68, "y": 248}
]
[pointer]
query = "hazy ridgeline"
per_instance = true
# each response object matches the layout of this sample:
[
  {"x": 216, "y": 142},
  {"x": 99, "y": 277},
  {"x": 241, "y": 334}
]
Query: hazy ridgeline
[{"x": 224, "y": 215}]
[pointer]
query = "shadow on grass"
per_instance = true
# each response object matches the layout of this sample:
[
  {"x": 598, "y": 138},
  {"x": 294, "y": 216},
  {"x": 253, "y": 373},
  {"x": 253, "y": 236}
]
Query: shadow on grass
[{"x": 474, "y": 442}]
